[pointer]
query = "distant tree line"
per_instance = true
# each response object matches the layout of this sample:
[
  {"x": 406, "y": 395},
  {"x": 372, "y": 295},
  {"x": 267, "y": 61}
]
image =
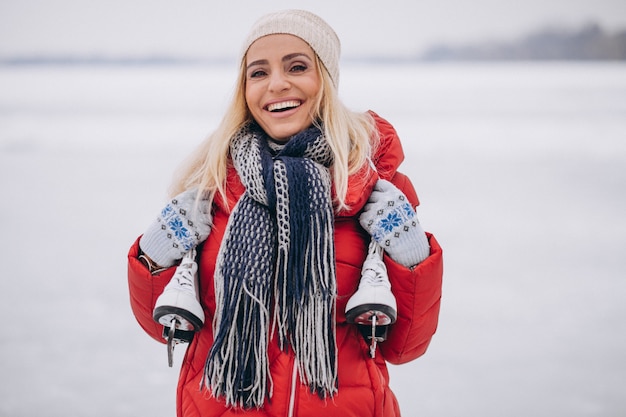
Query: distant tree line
[{"x": 590, "y": 42}]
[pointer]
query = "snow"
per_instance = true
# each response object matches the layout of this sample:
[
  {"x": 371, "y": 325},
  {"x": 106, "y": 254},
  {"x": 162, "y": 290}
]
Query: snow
[{"x": 520, "y": 168}]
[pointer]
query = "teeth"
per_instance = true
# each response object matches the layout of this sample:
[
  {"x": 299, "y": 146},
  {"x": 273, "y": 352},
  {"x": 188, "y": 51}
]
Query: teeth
[{"x": 283, "y": 105}]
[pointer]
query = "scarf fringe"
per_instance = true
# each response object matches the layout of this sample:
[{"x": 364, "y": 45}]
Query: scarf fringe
[
  {"x": 237, "y": 367},
  {"x": 311, "y": 330}
]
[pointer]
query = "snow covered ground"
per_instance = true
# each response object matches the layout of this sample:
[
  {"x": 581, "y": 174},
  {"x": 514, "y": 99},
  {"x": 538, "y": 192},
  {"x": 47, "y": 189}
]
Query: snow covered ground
[{"x": 521, "y": 170}]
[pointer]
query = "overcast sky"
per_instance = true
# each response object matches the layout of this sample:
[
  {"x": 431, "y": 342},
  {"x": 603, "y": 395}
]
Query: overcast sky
[{"x": 209, "y": 28}]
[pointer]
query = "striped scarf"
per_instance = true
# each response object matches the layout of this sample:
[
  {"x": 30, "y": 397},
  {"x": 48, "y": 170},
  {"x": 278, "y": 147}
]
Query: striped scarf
[{"x": 275, "y": 270}]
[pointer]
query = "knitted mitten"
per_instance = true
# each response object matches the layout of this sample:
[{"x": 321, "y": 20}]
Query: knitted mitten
[
  {"x": 391, "y": 221},
  {"x": 180, "y": 227}
]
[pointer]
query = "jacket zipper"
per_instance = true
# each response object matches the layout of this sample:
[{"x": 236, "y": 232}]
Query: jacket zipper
[{"x": 292, "y": 393}]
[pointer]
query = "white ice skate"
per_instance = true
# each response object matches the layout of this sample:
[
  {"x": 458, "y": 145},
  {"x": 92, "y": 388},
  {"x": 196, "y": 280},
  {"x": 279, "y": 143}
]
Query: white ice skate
[
  {"x": 178, "y": 308},
  {"x": 373, "y": 305}
]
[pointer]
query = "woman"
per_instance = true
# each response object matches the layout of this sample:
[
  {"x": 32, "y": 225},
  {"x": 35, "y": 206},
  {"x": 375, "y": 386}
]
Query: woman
[{"x": 280, "y": 204}]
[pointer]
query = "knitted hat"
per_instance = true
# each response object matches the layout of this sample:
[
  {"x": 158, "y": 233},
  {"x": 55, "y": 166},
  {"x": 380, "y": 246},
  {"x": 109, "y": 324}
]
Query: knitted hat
[{"x": 306, "y": 26}]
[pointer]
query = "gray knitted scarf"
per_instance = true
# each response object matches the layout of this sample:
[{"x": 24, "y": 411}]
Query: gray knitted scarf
[{"x": 275, "y": 270}]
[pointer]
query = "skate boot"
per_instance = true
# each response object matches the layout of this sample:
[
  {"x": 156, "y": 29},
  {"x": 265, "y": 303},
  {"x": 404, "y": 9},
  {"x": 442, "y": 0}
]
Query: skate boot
[
  {"x": 178, "y": 307},
  {"x": 373, "y": 307}
]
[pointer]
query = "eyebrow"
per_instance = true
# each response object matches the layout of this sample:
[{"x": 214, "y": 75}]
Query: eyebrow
[{"x": 284, "y": 59}]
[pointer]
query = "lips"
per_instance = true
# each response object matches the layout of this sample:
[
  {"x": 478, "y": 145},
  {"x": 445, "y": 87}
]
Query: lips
[{"x": 283, "y": 105}]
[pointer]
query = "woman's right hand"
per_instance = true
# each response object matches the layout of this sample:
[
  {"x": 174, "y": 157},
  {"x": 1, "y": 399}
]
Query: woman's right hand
[{"x": 181, "y": 226}]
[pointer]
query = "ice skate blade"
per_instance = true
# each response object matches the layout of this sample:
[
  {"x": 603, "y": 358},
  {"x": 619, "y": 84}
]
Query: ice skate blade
[
  {"x": 374, "y": 338},
  {"x": 364, "y": 313},
  {"x": 174, "y": 336},
  {"x": 171, "y": 343},
  {"x": 185, "y": 320}
]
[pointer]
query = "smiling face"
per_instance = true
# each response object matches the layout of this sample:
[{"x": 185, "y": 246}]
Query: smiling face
[{"x": 282, "y": 84}]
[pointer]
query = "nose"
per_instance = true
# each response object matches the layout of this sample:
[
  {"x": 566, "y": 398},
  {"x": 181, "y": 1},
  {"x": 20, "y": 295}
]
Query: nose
[{"x": 278, "y": 82}]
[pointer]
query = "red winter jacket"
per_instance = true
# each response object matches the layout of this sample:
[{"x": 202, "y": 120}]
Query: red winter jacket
[{"x": 362, "y": 381}]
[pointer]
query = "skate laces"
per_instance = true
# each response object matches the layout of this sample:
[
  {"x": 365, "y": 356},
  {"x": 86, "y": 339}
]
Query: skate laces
[
  {"x": 374, "y": 272},
  {"x": 185, "y": 272}
]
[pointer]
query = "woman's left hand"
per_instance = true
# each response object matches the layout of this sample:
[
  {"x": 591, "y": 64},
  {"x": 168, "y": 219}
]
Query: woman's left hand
[{"x": 391, "y": 221}]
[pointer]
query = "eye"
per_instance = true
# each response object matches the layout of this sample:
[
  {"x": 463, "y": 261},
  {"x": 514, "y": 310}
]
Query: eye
[
  {"x": 298, "y": 68},
  {"x": 257, "y": 73}
]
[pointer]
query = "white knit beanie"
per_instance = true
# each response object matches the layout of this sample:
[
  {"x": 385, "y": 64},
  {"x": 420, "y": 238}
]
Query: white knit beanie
[{"x": 308, "y": 27}]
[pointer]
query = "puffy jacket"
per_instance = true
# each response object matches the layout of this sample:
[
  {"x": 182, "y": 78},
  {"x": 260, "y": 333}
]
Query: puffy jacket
[{"x": 363, "y": 388}]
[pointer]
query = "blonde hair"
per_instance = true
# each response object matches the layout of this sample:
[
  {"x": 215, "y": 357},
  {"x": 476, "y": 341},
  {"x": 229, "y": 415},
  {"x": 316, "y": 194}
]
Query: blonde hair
[{"x": 351, "y": 136}]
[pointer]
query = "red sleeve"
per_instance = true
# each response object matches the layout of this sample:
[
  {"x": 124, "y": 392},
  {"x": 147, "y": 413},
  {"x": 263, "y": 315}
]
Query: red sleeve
[
  {"x": 418, "y": 294},
  {"x": 144, "y": 288}
]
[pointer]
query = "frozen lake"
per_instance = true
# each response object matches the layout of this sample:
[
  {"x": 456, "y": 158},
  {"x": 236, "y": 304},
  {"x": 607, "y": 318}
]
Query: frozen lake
[{"x": 520, "y": 168}]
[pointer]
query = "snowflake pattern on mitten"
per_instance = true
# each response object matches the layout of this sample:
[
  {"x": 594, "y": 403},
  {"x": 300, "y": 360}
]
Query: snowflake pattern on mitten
[
  {"x": 173, "y": 220},
  {"x": 392, "y": 221}
]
